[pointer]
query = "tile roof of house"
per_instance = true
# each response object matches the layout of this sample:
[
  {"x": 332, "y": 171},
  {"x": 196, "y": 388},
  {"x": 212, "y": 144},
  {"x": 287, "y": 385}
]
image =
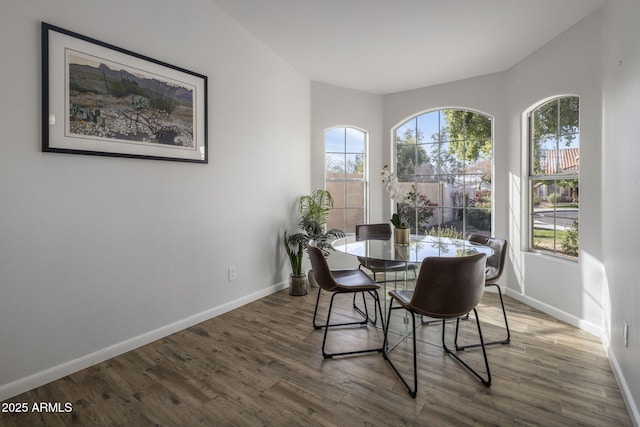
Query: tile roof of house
[{"x": 562, "y": 161}]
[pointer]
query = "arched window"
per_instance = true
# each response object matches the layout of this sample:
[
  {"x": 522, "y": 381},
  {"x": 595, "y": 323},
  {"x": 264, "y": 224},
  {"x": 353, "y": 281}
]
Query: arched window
[
  {"x": 444, "y": 163},
  {"x": 346, "y": 176},
  {"x": 554, "y": 176}
]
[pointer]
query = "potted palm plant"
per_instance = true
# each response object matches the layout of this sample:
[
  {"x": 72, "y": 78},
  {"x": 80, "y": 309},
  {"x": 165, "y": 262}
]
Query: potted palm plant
[
  {"x": 314, "y": 213},
  {"x": 295, "y": 246}
]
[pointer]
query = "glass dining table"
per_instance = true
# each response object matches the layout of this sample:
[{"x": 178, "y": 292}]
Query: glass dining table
[
  {"x": 418, "y": 248},
  {"x": 413, "y": 253}
]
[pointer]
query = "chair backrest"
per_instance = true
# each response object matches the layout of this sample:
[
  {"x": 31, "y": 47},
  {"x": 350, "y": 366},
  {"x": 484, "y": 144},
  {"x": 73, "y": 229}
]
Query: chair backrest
[
  {"x": 380, "y": 231},
  {"x": 449, "y": 287},
  {"x": 320, "y": 267},
  {"x": 495, "y": 263}
]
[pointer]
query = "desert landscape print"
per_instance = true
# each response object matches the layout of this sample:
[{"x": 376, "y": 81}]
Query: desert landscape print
[{"x": 117, "y": 103}]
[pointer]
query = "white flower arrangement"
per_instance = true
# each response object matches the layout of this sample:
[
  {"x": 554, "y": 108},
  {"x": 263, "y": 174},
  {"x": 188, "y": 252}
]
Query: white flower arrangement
[{"x": 406, "y": 202}]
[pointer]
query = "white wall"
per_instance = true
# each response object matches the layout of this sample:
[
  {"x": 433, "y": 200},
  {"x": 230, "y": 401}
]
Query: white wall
[
  {"x": 568, "y": 65},
  {"x": 600, "y": 292},
  {"x": 99, "y": 255},
  {"x": 621, "y": 187},
  {"x": 483, "y": 94},
  {"x": 334, "y": 106}
]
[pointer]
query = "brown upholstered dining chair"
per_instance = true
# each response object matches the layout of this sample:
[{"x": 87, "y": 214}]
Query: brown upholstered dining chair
[
  {"x": 381, "y": 231},
  {"x": 447, "y": 288},
  {"x": 493, "y": 272},
  {"x": 342, "y": 281}
]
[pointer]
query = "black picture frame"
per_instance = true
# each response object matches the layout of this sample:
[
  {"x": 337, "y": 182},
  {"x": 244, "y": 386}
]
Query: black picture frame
[{"x": 99, "y": 99}]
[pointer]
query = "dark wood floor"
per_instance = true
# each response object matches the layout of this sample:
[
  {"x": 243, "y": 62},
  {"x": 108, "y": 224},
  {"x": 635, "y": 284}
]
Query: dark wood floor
[{"x": 261, "y": 365}]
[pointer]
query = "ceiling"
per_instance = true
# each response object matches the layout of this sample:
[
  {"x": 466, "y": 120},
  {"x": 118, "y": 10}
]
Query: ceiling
[{"x": 388, "y": 46}]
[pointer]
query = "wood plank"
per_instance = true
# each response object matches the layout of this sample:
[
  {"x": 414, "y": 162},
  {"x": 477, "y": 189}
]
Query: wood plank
[{"x": 261, "y": 365}]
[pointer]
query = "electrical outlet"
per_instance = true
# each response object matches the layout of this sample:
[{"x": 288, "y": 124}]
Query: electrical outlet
[
  {"x": 232, "y": 273},
  {"x": 625, "y": 334}
]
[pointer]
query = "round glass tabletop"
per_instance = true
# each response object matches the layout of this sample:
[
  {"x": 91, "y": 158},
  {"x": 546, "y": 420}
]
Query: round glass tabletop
[{"x": 419, "y": 248}]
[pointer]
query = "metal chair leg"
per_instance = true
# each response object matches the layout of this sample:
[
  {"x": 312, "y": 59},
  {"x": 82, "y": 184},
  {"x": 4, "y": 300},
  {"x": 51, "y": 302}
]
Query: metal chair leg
[
  {"x": 485, "y": 381},
  {"x": 364, "y": 313},
  {"x": 358, "y": 322},
  {"x": 412, "y": 391},
  {"x": 507, "y": 340},
  {"x": 328, "y": 325},
  {"x": 428, "y": 322},
  {"x": 364, "y": 301},
  {"x": 504, "y": 314}
]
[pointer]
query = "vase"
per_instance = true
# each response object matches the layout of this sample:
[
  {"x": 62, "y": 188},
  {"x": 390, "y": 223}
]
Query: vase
[
  {"x": 401, "y": 252},
  {"x": 298, "y": 285},
  {"x": 401, "y": 236}
]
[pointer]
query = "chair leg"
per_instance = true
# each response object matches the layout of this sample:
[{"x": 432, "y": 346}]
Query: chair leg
[
  {"x": 358, "y": 322},
  {"x": 376, "y": 297},
  {"x": 487, "y": 381},
  {"x": 505, "y": 341},
  {"x": 328, "y": 325},
  {"x": 504, "y": 314},
  {"x": 355, "y": 306},
  {"x": 364, "y": 313},
  {"x": 428, "y": 322},
  {"x": 412, "y": 391}
]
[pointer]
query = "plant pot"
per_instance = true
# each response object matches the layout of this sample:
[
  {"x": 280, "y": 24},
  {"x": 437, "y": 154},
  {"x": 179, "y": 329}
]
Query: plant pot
[
  {"x": 401, "y": 236},
  {"x": 401, "y": 252},
  {"x": 298, "y": 285}
]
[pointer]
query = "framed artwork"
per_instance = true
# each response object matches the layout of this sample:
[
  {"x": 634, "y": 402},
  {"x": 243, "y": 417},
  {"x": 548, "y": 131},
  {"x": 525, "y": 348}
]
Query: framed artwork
[{"x": 99, "y": 99}]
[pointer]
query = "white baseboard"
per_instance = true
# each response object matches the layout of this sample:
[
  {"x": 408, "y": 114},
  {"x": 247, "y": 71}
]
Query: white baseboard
[
  {"x": 44, "y": 377},
  {"x": 558, "y": 314},
  {"x": 634, "y": 413}
]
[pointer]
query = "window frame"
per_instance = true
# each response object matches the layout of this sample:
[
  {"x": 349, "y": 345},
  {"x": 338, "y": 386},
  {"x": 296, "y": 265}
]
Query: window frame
[
  {"x": 469, "y": 179},
  {"x": 533, "y": 176},
  {"x": 364, "y": 179}
]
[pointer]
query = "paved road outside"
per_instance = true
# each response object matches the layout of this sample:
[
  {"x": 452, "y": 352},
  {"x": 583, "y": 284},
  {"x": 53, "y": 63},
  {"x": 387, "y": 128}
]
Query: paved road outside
[{"x": 564, "y": 218}]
